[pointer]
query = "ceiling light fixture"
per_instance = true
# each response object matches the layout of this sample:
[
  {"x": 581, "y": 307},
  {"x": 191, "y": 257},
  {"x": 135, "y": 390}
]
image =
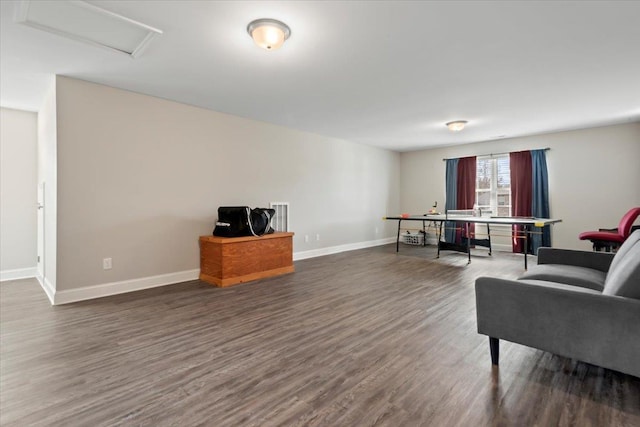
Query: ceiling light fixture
[
  {"x": 457, "y": 125},
  {"x": 269, "y": 34}
]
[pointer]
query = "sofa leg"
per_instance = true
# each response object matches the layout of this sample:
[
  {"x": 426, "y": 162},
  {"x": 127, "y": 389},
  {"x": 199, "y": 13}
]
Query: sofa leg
[{"x": 494, "y": 345}]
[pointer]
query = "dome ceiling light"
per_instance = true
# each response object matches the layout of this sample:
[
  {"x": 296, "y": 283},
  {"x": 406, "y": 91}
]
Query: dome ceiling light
[
  {"x": 456, "y": 126},
  {"x": 269, "y": 34}
]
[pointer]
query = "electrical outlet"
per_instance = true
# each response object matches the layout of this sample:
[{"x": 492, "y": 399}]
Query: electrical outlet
[
  {"x": 306, "y": 238},
  {"x": 106, "y": 264},
  {"x": 376, "y": 230},
  {"x": 317, "y": 237}
]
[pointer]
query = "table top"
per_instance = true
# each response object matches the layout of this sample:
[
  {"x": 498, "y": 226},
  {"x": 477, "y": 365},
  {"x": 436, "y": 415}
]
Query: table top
[
  {"x": 538, "y": 222},
  {"x": 227, "y": 240}
]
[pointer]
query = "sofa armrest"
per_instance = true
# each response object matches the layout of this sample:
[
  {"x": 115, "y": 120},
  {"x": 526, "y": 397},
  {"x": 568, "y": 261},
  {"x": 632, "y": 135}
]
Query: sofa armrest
[
  {"x": 596, "y": 260},
  {"x": 566, "y": 320}
]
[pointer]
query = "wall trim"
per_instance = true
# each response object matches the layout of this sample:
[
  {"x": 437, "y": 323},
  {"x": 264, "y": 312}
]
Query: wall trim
[
  {"x": 114, "y": 288},
  {"x": 495, "y": 247},
  {"x": 18, "y": 273},
  {"x": 297, "y": 256},
  {"x": 124, "y": 286},
  {"x": 46, "y": 286},
  {"x": 501, "y": 247}
]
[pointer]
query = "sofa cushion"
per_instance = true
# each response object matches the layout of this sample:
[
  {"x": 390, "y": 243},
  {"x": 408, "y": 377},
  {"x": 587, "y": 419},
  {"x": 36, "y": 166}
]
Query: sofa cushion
[
  {"x": 623, "y": 278},
  {"x": 568, "y": 275},
  {"x": 624, "y": 248},
  {"x": 560, "y": 286}
]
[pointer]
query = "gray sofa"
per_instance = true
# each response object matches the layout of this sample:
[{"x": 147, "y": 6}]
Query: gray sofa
[{"x": 577, "y": 304}]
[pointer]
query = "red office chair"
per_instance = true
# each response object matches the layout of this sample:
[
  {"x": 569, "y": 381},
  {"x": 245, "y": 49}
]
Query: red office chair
[{"x": 612, "y": 239}]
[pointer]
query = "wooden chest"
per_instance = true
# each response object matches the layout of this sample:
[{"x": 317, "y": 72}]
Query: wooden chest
[{"x": 226, "y": 261}]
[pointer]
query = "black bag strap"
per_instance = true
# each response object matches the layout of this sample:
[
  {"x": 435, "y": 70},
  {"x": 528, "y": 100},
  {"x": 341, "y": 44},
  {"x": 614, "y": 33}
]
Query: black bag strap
[
  {"x": 268, "y": 226},
  {"x": 250, "y": 222}
]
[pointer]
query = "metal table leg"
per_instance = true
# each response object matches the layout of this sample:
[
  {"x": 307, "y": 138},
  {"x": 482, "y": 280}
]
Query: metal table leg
[
  {"x": 526, "y": 244},
  {"x": 439, "y": 238},
  {"x": 398, "y": 237},
  {"x": 466, "y": 230}
]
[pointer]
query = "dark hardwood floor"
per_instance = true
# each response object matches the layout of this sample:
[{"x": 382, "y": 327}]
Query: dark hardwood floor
[{"x": 366, "y": 337}]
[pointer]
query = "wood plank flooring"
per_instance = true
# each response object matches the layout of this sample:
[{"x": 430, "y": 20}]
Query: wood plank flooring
[{"x": 362, "y": 338}]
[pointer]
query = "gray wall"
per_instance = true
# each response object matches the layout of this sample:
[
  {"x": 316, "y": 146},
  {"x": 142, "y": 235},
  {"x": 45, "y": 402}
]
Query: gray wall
[
  {"x": 594, "y": 176},
  {"x": 18, "y": 196},
  {"x": 140, "y": 178}
]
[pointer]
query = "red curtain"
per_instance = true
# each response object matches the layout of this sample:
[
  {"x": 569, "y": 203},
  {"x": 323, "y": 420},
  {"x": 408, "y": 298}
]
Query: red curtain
[
  {"x": 521, "y": 192},
  {"x": 466, "y": 188}
]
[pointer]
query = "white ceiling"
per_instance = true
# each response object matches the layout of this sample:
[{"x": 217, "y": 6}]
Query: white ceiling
[{"x": 383, "y": 73}]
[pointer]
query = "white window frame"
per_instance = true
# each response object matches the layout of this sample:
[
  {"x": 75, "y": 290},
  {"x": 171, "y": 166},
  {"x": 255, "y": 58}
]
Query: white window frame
[{"x": 493, "y": 189}]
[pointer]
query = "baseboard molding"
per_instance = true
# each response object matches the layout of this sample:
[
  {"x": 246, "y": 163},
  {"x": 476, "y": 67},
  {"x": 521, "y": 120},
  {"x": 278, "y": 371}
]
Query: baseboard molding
[
  {"x": 501, "y": 248},
  {"x": 432, "y": 240},
  {"x": 47, "y": 287},
  {"x": 107, "y": 289},
  {"x": 115, "y": 288},
  {"x": 494, "y": 247},
  {"x": 297, "y": 256},
  {"x": 18, "y": 273}
]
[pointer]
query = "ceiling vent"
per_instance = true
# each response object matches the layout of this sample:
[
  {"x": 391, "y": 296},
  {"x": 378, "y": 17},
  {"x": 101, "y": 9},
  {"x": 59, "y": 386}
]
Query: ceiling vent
[{"x": 85, "y": 22}]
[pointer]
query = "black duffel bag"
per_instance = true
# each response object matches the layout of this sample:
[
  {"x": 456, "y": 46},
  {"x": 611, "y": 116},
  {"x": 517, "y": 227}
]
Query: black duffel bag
[{"x": 237, "y": 221}]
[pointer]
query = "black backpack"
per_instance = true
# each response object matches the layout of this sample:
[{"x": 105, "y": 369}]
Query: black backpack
[{"x": 237, "y": 221}]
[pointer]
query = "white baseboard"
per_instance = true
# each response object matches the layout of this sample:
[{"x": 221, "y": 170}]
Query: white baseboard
[
  {"x": 495, "y": 247},
  {"x": 114, "y": 288},
  {"x": 18, "y": 273},
  {"x": 47, "y": 287},
  {"x": 297, "y": 256},
  {"x": 501, "y": 248}
]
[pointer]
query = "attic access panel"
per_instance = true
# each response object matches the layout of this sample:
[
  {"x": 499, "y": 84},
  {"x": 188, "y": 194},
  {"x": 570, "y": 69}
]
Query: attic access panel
[{"x": 85, "y": 22}]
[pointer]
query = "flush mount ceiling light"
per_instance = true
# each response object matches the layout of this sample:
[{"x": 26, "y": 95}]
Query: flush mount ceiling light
[
  {"x": 269, "y": 34},
  {"x": 457, "y": 125},
  {"x": 85, "y": 22}
]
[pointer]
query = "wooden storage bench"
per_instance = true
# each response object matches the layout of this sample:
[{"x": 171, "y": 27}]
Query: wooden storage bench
[{"x": 226, "y": 261}]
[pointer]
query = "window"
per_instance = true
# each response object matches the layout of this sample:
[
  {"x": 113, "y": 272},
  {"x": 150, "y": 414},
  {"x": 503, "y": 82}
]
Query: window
[{"x": 493, "y": 184}]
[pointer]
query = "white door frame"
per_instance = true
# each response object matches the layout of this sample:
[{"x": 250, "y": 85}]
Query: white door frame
[{"x": 40, "y": 243}]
